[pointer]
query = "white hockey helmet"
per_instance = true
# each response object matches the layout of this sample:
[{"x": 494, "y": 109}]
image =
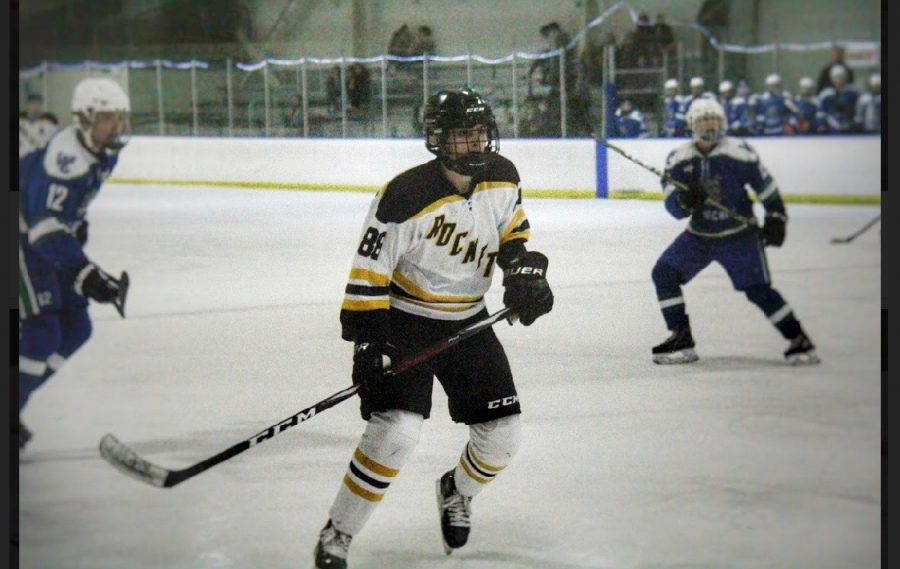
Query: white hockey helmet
[
  {"x": 697, "y": 82},
  {"x": 807, "y": 85},
  {"x": 671, "y": 85},
  {"x": 725, "y": 87},
  {"x": 99, "y": 95},
  {"x": 837, "y": 73},
  {"x": 773, "y": 79},
  {"x": 875, "y": 80},
  {"x": 706, "y": 121}
]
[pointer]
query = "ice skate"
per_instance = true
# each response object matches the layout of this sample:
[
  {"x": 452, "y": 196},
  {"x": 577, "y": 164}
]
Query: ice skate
[
  {"x": 677, "y": 349},
  {"x": 456, "y": 513},
  {"x": 332, "y": 549},
  {"x": 801, "y": 351}
]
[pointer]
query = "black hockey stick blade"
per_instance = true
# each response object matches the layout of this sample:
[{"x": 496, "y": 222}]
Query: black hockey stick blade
[
  {"x": 126, "y": 460},
  {"x": 859, "y": 232},
  {"x": 119, "y": 301}
]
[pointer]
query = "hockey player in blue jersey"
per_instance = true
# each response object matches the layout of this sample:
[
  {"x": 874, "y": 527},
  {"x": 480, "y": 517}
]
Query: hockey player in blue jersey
[
  {"x": 629, "y": 122},
  {"x": 673, "y": 108},
  {"x": 837, "y": 104},
  {"x": 56, "y": 279},
  {"x": 805, "y": 118},
  {"x": 737, "y": 113},
  {"x": 773, "y": 108},
  {"x": 868, "y": 107},
  {"x": 704, "y": 177}
]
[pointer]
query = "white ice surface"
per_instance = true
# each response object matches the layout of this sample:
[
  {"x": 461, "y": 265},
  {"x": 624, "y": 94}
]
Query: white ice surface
[{"x": 735, "y": 461}]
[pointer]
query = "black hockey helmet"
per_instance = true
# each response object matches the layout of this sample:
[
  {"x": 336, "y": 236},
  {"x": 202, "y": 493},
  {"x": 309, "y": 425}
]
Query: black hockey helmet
[{"x": 460, "y": 109}]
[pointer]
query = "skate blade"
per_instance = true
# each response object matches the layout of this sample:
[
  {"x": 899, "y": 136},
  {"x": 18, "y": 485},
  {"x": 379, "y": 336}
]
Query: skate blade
[
  {"x": 685, "y": 356},
  {"x": 440, "y": 500},
  {"x": 808, "y": 359}
]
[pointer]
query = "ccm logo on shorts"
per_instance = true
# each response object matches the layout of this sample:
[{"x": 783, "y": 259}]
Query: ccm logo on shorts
[{"x": 503, "y": 402}]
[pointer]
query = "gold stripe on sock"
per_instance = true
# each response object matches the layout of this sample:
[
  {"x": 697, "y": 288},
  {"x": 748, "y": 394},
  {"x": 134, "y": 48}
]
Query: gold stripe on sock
[
  {"x": 360, "y": 491},
  {"x": 374, "y": 466},
  {"x": 472, "y": 475},
  {"x": 483, "y": 465}
]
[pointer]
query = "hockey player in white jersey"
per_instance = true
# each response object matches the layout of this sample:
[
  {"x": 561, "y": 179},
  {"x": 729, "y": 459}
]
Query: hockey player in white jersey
[
  {"x": 716, "y": 168},
  {"x": 57, "y": 183},
  {"x": 426, "y": 257}
]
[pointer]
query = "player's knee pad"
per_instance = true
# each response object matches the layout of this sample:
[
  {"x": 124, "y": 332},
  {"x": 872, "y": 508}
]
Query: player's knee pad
[
  {"x": 665, "y": 276},
  {"x": 496, "y": 441},
  {"x": 391, "y": 436},
  {"x": 76, "y": 330},
  {"x": 40, "y": 336}
]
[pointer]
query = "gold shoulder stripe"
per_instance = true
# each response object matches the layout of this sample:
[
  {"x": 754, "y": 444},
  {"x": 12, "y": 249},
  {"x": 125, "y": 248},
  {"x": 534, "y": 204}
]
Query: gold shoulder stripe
[
  {"x": 376, "y": 279},
  {"x": 374, "y": 466},
  {"x": 438, "y": 204},
  {"x": 495, "y": 186},
  {"x": 516, "y": 220}
]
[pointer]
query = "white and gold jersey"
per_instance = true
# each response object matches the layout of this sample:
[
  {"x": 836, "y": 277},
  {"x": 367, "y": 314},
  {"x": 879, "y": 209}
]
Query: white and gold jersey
[{"x": 429, "y": 251}]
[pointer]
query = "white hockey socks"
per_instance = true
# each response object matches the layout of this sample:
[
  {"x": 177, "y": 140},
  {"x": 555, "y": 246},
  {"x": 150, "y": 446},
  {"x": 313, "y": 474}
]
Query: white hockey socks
[
  {"x": 490, "y": 449},
  {"x": 386, "y": 444}
]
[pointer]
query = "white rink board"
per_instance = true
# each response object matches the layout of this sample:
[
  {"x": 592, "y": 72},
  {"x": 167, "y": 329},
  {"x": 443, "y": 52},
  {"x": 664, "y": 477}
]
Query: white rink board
[{"x": 820, "y": 166}]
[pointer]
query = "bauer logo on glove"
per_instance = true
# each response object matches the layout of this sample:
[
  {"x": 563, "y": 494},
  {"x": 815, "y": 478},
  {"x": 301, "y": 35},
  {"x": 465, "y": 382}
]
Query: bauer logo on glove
[{"x": 527, "y": 290}]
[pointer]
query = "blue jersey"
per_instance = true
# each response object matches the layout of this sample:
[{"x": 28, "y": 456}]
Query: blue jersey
[
  {"x": 725, "y": 172},
  {"x": 630, "y": 125},
  {"x": 868, "y": 112},
  {"x": 772, "y": 112},
  {"x": 737, "y": 114},
  {"x": 805, "y": 119},
  {"x": 674, "y": 122},
  {"x": 56, "y": 185},
  {"x": 837, "y": 109}
]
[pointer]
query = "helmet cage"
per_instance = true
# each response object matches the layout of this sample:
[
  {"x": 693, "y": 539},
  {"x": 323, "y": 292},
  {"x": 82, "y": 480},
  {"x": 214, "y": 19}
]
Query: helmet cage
[
  {"x": 706, "y": 121},
  {"x": 449, "y": 112}
]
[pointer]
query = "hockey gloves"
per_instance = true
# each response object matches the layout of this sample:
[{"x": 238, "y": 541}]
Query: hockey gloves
[
  {"x": 93, "y": 282},
  {"x": 774, "y": 229},
  {"x": 527, "y": 291},
  {"x": 81, "y": 234},
  {"x": 691, "y": 197},
  {"x": 370, "y": 362}
]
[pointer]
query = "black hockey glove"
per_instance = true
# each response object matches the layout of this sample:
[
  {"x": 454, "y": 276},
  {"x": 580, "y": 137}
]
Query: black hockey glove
[
  {"x": 773, "y": 230},
  {"x": 370, "y": 362},
  {"x": 691, "y": 197},
  {"x": 527, "y": 291},
  {"x": 92, "y": 282},
  {"x": 81, "y": 234}
]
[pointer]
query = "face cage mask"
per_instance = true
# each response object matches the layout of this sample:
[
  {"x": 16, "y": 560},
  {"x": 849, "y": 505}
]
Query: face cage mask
[
  {"x": 706, "y": 132},
  {"x": 86, "y": 129},
  {"x": 470, "y": 163}
]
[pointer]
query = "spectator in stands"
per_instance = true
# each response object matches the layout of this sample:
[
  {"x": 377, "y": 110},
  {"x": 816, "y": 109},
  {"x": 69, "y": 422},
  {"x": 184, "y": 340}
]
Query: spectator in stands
[
  {"x": 674, "y": 123},
  {"x": 333, "y": 90},
  {"x": 713, "y": 17},
  {"x": 423, "y": 43},
  {"x": 629, "y": 122},
  {"x": 773, "y": 108},
  {"x": 868, "y": 107},
  {"x": 358, "y": 87},
  {"x": 665, "y": 39},
  {"x": 837, "y": 60},
  {"x": 837, "y": 104},
  {"x": 737, "y": 113},
  {"x": 548, "y": 70},
  {"x": 640, "y": 48},
  {"x": 401, "y": 44},
  {"x": 806, "y": 105}
]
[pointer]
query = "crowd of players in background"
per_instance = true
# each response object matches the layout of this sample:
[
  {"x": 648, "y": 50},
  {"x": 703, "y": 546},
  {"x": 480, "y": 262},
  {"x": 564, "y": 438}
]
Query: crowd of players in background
[{"x": 836, "y": 107}]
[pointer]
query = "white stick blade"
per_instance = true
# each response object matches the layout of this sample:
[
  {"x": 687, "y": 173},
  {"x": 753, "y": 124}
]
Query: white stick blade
[{"x": 127, "y": 461}]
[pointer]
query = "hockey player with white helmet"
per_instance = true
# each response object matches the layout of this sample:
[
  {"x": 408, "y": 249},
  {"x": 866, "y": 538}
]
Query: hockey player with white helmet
[
  {"x": 713, "y": 167},
  {"x": 737, "y": 113},
  {"x": 426, "y": 257},
  {"x": 806, "y": 114},
  {"x": 773, "y": 108},
  {"x": 868, "y": 107},
  {"x": 674, "y": 104},
  {"x": 57, "y": 183},
  {"x": 837, "y": 103}
]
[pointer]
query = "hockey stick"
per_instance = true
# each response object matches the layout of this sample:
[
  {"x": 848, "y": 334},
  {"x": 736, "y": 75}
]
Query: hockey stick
[
  {"x": 859, "y": 232},
  {"x": 665, "y": 177},
  {"x": 129, "y": 462},
  {"x": 119, "y": 301}
]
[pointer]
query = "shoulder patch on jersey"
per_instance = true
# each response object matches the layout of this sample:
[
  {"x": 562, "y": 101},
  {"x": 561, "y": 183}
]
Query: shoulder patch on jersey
[
  {"x": 682, "y": 152},
  {"x": 66, "y": 158},
  {"x": 736, "y": 148},
  {"x": 412, "y": 191}
]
